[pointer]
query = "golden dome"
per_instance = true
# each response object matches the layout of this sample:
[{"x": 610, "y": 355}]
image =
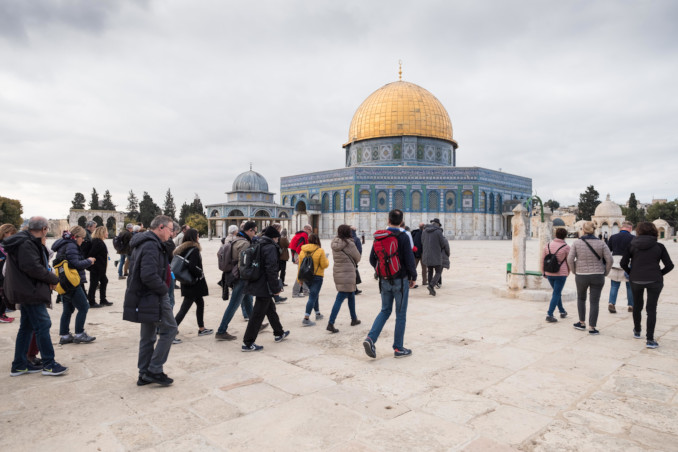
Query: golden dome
[{"x": 397, "y": 109}]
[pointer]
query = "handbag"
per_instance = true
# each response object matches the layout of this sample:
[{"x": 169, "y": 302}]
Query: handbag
[
  {"x": 180, "y": 269},
  {"x": 358, "y": 279}
]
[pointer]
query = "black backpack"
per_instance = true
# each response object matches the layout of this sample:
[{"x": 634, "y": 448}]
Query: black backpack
[
  {"x": 551, "y": 264},
  {"x": 117, "y": 243},
  {"x": 249, "y": 263},
  {"x": 306, "y": 269}
]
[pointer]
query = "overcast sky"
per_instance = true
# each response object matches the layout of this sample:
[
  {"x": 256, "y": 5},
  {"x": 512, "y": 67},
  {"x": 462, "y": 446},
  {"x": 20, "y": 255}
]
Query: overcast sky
[{"x": 150, "y": 95}]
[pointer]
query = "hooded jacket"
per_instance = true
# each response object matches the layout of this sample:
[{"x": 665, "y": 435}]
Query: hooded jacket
[
  {"x": 299, "y": 240},
  {"x": 581, "y": 261},
  {"x": 345, "y": 256},
  {"x": 641, "y": 260},
  {"x": 199, "y": 289},
  {"x": 269, "y": 283},
  {"x": 99, "y": 251},
  {"x": 27, "y": 274},
  {"x": 146, "y": 282},
  {"x": 433, "y": 245},
  {"x": 68, "y": 249},
  {"x": 320, "y": 262}
]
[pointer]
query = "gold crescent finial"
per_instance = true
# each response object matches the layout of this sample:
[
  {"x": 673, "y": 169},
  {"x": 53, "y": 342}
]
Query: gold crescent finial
[{"x": 400, "y": 70}]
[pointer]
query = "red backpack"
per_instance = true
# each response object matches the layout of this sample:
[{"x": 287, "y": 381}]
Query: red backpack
[{"x": 386, "y": 248}]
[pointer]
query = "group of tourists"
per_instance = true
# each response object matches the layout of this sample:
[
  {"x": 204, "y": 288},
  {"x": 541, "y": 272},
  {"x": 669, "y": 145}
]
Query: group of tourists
[{"x": 634, "y": 260}]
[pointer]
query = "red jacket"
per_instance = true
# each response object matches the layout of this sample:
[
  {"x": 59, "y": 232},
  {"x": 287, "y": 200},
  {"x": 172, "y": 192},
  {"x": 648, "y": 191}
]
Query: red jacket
[{"x": 299, "y": 239}]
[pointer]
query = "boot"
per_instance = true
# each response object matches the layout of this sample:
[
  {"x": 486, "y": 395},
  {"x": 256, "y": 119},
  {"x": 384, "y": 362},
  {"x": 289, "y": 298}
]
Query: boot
[{"x": 331, "y": 328}]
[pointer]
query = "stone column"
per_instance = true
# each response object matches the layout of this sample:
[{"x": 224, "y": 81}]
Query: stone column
[
  {"x": 519, "y": 229},
  {"x": 545, "y": 231}
]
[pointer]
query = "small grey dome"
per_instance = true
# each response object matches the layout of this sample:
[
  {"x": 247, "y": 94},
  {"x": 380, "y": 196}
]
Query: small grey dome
[
  {"x": 558, "y": 222},
  {"x": 250, "y": 181}
]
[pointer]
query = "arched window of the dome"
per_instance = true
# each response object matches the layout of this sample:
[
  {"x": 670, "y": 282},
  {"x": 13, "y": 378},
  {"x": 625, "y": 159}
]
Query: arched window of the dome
[
  {"x": 491, "y": 198},
  {"x": 467, "y": 201},
  {"x": 382, "y": 201},
  {"x": 284, "y": 200},
  {"x": 348, "y": 201},
  {"x": 235, "y": 213},
  {"x": 482, "y": 202},
  {"x": 336, "y": 202},
  {"x": 325, "y": 205},
  {"x": 300, "y": 207},
  {"x": 262, "y": 213},
  {"x": 450, "y": 201},
  {"x": 215, "y": 213},
  {"x": 365, "y": 200},
  {"x": 416, "y": 201},
  {"x": 500, "y": 201},
  {"x": 282, "y": 215},
  {"x": 293, "y": 202},
  {"x": 433, "y": 204},
  {"x": 399, "y": 200}
]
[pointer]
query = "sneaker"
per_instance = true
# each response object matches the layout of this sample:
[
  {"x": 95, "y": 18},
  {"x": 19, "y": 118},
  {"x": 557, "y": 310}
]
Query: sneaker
[
  {"x": 331, "y": 328},
  {"x": 30, "y": 369},
  {"x": 431, "y": 291},
  {"x": 358, "y": 292},
  {"x": 282, "y": 336},
  {"x": 438, "y": 286},
  {"x": 307, "y": 322},
  {"x": 246, "y": 319},
  {"x": 161, "y": 378},
  {"x": 54, "y": 370},
  {"x": 205, "y": 332},
  {"x": 83, "y": 338},
  {"x": 319, "y": 316},
  {"x": 651, "y": 344},
  {"x": 563, "y": 315},
  {"x": 370, "y": 349},
  {"x": 636, "y": 334},
  {"x": 551, "y": 319},
  {"x": 67, "y": 339},
  {"x": 224, "y": 336},
  {"x": 116, "y": 263},
  {"x": 401, "y": 352},
  {"x": 176, "y": 340},
  {"x": 579, "y": 326},
  {"x": 106, "y": 303},
  {"x": 611, "y": 308},
  {"x": 263, "y": 326},
  {"x": 252, "y": 348},
  {"x": 281, "y": 300},
  {"x": 355, "y": 322},
  {"x": 5, "y": 319},
  {"x": 95, "y": 305},
  {"x": 416, "y": 286},
  {"x": 142, "y": 382},
  {"x": 594, "y": 331},
  {"x": 630, "y": 309}
]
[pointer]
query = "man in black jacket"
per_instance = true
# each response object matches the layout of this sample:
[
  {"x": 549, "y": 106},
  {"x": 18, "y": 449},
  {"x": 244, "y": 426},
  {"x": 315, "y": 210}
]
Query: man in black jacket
[
  {"x": 126, "y": 237},
  {"x": 619, "y": 245},
  {"x": 147, "y": 300},
  {"x": 29, "y": 282},
  {"x": 416, "y": 238},
  {"x": 264, "y": 289}
]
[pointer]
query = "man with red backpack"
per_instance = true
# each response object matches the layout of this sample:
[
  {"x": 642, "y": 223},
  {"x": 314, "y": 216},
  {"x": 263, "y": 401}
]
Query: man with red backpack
[
  {"x": 393, "y": 260},
  {"x": 300, "y": 239}
]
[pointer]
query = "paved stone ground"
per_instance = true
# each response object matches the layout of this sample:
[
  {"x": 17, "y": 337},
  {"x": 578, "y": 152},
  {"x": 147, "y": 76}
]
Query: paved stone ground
[{"x": 487, "y": 374}]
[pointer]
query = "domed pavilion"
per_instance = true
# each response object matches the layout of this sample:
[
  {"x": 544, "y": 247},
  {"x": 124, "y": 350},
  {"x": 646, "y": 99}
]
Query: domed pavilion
[
  {"x": 249, "y": 199},
  {"x": 608, "y": 218},
  {"x": 401, "y": 153}
]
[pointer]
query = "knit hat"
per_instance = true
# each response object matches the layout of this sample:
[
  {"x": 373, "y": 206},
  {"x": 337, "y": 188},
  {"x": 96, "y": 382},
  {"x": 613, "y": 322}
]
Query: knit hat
[{"x": 271, "y": 232}]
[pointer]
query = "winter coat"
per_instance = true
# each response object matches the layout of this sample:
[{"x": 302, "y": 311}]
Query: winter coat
[
  {"x": 300, "y": 239},
  {"x": 356, "y": 240},
  {"x": 99, "y": 251},
  {"x": 199, "y": 289},
  {"x": 269, "y": 283},
  {"x": 619, "y": 243},
  {"x": 345, "y": 256},
  {"x": 582, "y": 261},
  {"x": 146, "y": 285},
  {"x": 445, "y": 257},
  {"x": 641, "y": 260},
  {"x": 561, "y": 254},
  {"x": 433, "y": 246},
  {"x": 320, "y": 262},
  {"x": 416, "y": 239},
  {"x": 284, "y": 244},
  {"x": 27, "y": 274},
  {"x": 126, "y": 237},
  {"x": 68, "y": 249}
]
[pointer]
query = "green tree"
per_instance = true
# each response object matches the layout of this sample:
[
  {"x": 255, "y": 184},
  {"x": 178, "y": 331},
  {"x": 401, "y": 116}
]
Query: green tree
[
  {"x": 632, "y": 210},
  {"x": 148, "y": 210},
  {"x": 552, "y": 204},
  {"x": 11, "y": 211},
  {"x": 197, "y": 222},
  {"x": 169, "y": 209},
  {"x": 132, "y": 208},
  {"x": 94, "y": 202},
  {"x": 107, "y": 203},
  {"x": 196, "y": 206},
  {"x": 588, "y": 201},
  {"x": 185, "y": 212},
  {"x": 666, "y": 211},
  {"x": 78, "y": 201}
]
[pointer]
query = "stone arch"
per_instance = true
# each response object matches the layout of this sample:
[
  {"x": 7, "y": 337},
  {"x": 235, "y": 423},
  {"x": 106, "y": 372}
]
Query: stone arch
[
  {"x": 433, "y": 202},
  {"x": 282, "y": 215},
  {"x": 450, "y": 201},
  {"x": 300, "y": 207},
  {"x": 382, "y": 201},
  {"x": 236, "y": 213},
  {"x": 284, "y": 200},
  {"x": 348, "y": 201},
  {"x": 336, "y": 202},
  {"x": 262, "y": 213},
  {"x": 491, "y": 206},
  {"x": 399, "y": 200},
  {"x": 82, "y": 221},
  {"x": 482, "y": 202},
  {"x": 98, "y": 220},
  {"x": 111, "y": 226},
  {"x": 293, "y": 201},
  {"x": 416, "y": 201},
  {"x": 325, "y": 205},
  {"x": 365, "y": 200},
  {"x": 215, "y": 213},
  {"x": 500, "y": 200}
]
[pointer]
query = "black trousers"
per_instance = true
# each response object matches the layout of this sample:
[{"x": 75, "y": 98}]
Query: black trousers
[
  {"x": 199, "y": 310},
  {"x": 283, "y": 267},
  {"x": 653, "y": 291},
  {"x": 434, "y": 279},
  {"x": 263, "y": 307},
  {"x": 100, "y": 279}
]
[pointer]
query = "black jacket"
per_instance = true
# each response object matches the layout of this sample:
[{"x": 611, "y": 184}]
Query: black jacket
[
  {"x": 27, "y": 277},
  {"x": 146, "y": 282},
  {"x": 416, "y": 239},
  {"x": 126, "y": 237},
  {"x": 407, "y": 267},
  {"x": 199, "y": 289},
  {"x": 99, "y": 251},
  {"x": 619, "y": 243},
  {"x": 641, "y": 260},
  {"x": 269, "y": 283},
  {"x": 68, "y": 249}
]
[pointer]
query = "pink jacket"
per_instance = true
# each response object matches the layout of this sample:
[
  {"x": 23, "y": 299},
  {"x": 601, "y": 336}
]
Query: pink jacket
[{"x": 561, "y": 255}]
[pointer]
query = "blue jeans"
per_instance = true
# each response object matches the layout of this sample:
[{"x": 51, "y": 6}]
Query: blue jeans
[
  {"x": 397, "y": 290},
  {"x": 557, "y": 282},
  {"x": 614, "y": 290},
  {"x": 341, "y": 296},
  {"x": 121, "y": 265},
  {"x": 72, "y": 301},
  {"x": 34, "y": 317},
  {"x": 313, "y": 295},
  {"x": 238, "y": 297}
]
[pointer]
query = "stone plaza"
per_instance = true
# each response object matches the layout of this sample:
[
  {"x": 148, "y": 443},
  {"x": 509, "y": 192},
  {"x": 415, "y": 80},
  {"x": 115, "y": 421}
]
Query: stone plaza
[{"x": 486, "y": 374}]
